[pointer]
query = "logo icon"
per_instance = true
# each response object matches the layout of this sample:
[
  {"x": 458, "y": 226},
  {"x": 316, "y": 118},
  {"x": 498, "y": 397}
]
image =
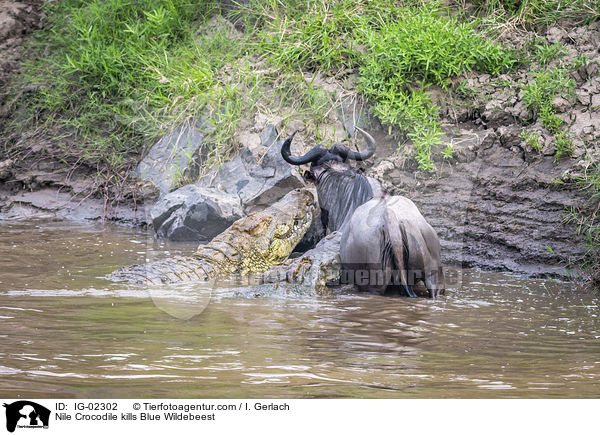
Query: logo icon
[{"x": 26, "y": 414}]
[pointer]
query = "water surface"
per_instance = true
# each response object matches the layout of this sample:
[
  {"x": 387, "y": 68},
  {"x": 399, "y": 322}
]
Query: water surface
[{"x": 66, "y": 332}]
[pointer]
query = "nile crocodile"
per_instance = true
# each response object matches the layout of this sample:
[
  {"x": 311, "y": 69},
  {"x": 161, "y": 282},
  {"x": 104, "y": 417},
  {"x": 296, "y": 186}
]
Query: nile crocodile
[{"x": 252, "y": 245}]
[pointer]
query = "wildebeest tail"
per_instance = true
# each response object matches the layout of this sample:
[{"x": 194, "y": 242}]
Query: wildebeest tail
[{"x": 397, "y": 243}]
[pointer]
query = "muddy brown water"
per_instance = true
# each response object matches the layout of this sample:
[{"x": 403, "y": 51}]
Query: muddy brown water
[{"x": 68, "y": 333}]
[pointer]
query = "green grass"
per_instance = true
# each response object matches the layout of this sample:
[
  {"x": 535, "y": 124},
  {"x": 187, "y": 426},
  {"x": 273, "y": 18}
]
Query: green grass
[
  {"x": 115, "y": 69},
  {"x": 539, "y": 94},
  {"x": 398, "y": 49},
  {"x": 426, "y": 47},
  {"x": 122, "y": 72},
  {"x": 532, "y": 139},
  {"x": 564, "y": 145},
  {"x": 544, "y": 53},
  {"x": 448, "y": 152},
  {"x": 587, "y": 221},
  {"x": 315, "y": 34},
  {"x": 538, "y": 14}
]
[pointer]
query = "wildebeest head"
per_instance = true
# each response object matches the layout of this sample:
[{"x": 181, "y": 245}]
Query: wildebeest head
[{"x": 340, "y": 188}]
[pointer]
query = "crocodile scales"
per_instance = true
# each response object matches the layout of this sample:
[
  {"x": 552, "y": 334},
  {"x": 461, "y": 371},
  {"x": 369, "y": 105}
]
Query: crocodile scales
[{"x": 252, "y": 245}]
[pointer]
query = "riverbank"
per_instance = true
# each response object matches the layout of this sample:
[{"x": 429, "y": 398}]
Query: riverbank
[{"x": 495, "y": 136}]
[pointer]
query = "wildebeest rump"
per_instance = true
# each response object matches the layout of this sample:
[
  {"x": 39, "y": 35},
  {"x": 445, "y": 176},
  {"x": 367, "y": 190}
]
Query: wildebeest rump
[{"x": 388, "y": 246}]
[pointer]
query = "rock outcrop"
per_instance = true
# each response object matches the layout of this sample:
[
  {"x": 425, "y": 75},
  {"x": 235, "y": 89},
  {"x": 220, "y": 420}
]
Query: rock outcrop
[
  {"x": 200, "y": 211},
  {"x": 195, "y": 213},
  {"x": 168, "y": 160}
]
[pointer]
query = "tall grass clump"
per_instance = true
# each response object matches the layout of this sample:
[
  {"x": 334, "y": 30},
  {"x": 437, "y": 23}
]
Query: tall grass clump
[
  {"x": 538, "y": 14},
  {"x": 538, "y": 96},
  {"x": 399, "y": 49},
  {"x": 424, "y": 47},
  {"x": 587, "y": 220},
  {"x": 317, "y": 35},
  {"x": 111, "y": 64}
]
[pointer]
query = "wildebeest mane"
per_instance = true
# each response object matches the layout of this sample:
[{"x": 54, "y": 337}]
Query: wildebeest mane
[{"x": 333, "y": 184}]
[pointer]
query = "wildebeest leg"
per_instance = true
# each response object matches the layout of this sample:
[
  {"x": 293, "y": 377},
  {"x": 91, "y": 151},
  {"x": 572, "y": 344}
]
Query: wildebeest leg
[
  {"x": 434, "y": 281},
  {"x": 408, "y": 291}
]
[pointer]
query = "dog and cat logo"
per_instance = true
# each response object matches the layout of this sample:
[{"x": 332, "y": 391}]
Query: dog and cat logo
[{"x": 25, "y": 414}]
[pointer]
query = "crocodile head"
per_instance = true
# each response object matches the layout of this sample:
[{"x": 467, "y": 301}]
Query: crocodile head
[
  {"x": 290, "y": 229},
  {"x": 267, "y": 237}
]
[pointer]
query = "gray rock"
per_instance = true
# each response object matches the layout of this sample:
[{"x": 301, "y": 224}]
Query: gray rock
[
  {"x": 256, "y": 184},
  {"x": 231, "y": 176},
  {"x": 268, "y": 136},
  {"x": 271, "y": 180},
  {"x": 171, "y": 156},
  {"x": 200, "y": 211},
  {"x": 53, "y": 203},
  {"x": 195, "y": 213}
]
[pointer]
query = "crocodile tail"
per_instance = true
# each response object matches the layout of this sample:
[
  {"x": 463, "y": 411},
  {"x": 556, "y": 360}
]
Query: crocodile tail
[{"x": 395, "y": 238}]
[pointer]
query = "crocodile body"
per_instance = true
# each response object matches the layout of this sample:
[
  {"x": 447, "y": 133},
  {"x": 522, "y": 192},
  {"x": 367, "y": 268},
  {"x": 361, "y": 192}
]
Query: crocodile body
[{"x": 252, "y": 245}]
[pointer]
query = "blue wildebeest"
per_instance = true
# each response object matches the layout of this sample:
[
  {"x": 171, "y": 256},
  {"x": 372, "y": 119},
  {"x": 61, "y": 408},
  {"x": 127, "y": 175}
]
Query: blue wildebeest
[{"x": 387, "y": 245}]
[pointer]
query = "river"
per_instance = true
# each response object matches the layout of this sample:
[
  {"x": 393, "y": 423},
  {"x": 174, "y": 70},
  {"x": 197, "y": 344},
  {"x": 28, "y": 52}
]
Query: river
[{"x": 68, "y": 333}]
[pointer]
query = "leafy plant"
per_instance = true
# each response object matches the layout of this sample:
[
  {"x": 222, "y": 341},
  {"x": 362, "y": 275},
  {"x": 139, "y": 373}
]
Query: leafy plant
[
  {"x": 537, "y": 14},
  {"x": 115, "y": 72},
  {"x": 406, "y": 56},
  {"x": 564, "y": 145},
  {"x": 580, "y": 60},
  {"x": 544, "y": 54},
  {"x": 587, "y": 217},
  {"x": 532, "y": 139},
  {"x": 448, "y": 152},
  {"x": 539, "y": 93}
]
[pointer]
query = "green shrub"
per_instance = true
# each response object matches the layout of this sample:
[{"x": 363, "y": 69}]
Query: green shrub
[
  {"x": 316, "y": 35},
  {"x": 425, "y": 46},
  {"x": 116, "y": 69},
  {"x": 544, "y": 54},
  {"x": 532, "y": 139},
  {"x": 106, "y": 44},
  {"x": 537, "y": 14},
  {"x": 539, "y": 93},
  {"x": 123, "y": 71},
  {"x": 564, "y": 145},
  {"x": 587, "y": 220}
]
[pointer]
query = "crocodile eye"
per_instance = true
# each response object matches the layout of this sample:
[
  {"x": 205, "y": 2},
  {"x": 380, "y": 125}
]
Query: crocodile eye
[{"x": 282, "y": 230}]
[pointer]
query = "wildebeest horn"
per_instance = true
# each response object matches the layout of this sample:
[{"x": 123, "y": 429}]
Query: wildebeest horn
[
  {"x": 368, "y": 152},
  {"x": 311, "y": 156}
]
